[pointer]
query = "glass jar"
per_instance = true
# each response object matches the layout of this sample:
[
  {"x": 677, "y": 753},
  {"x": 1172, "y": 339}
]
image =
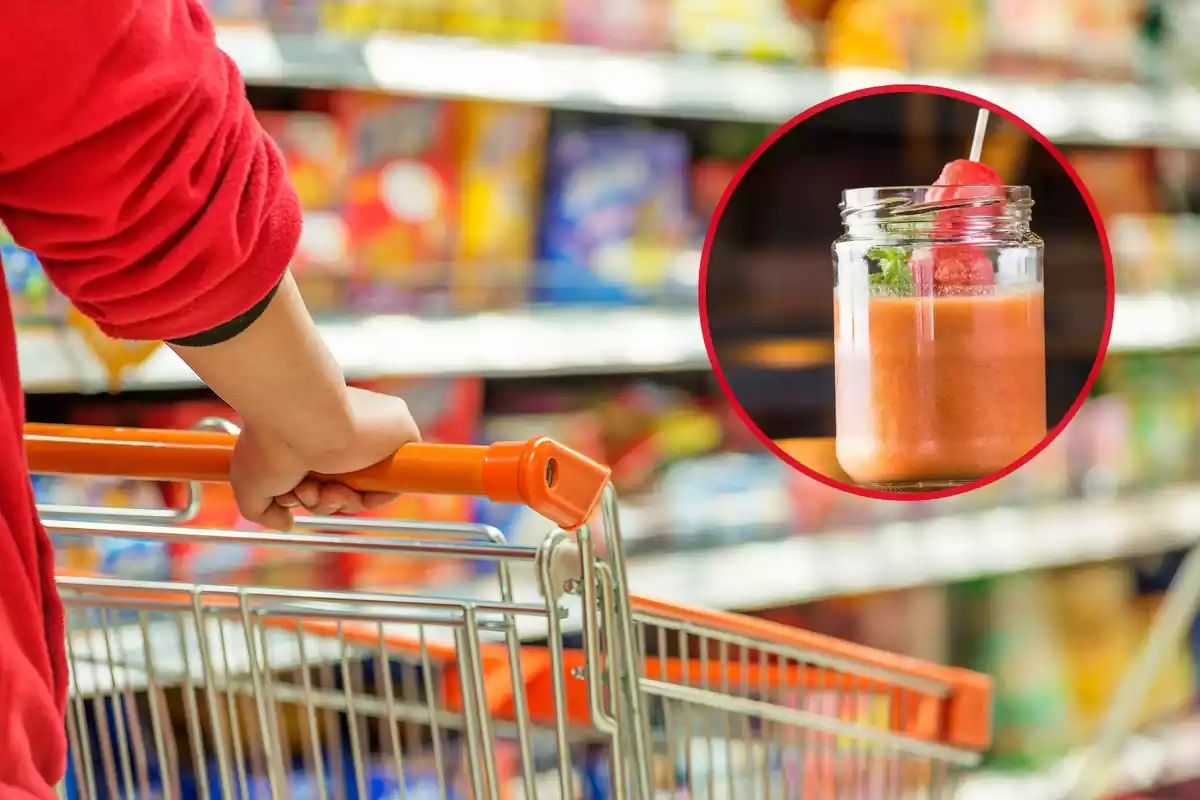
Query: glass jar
[{"x": 939, "y": 340}]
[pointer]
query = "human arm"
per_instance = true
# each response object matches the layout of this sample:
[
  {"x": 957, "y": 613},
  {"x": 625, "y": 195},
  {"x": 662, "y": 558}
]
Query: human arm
[{"x": 137, "y": 173}]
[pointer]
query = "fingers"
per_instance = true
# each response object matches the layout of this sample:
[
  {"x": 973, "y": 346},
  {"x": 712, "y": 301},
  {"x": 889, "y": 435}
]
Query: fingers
[
  {"x": 374, "y": 500},
  {"x": 323, "y": 499},
  {"x": 276, "y": 517}
]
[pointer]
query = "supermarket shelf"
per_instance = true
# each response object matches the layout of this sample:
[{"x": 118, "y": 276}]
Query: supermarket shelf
[
  {"x": 1155, "y": 322},
  {"x": 1164, "y": 756},
  {"x": 518, "y": 343},
  {"x": 900, "y": 555},
  {"x": 595, "y": 80},
  {"x": 530, "y": 342}
]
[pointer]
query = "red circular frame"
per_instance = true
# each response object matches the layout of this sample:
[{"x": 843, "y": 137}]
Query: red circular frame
[{"x": 1110, "y": 291}]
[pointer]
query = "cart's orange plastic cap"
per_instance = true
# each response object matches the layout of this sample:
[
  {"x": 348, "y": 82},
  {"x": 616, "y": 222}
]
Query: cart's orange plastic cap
[{"x": 560, "y": 484}]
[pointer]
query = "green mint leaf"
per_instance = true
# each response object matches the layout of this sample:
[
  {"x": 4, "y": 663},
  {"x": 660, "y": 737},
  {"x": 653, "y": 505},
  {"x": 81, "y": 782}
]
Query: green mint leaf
[{"x": 894, "y": 271}]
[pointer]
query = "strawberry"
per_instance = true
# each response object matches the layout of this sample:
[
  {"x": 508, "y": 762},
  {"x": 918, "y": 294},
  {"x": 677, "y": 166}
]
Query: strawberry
[
  {"x": 968, "y": 173},
  {"x": 964, "y": 180},
  {"x": 951, "y": 268}
]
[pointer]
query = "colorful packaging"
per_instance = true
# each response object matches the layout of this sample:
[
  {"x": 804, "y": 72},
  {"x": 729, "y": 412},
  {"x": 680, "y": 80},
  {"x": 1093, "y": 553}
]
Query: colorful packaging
[
  {"x": 362, "y": 17},
  {"x": 869, "y": 34},
  {"x": 619, "y": 24},
  {"x": 756, "y": 29},
  {"x": 500, "y": 186},
  {"x": 315, "y": 151},
  {"x": 516, "y": 20},
  {"x": 616, "y": 215},
  {"x": 32, "y": 295},
  {"x": 1003, "y": 626},
  {"x": 710, "y": 178},
  {"x": 1175, "y": 688},
  {"x": 234, "y": 11},
  {"x": 402, "y": 200}
]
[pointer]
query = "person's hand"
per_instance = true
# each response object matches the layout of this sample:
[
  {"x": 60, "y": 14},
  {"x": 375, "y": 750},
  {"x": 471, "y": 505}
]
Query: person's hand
[{"x": 270, "y": 473}]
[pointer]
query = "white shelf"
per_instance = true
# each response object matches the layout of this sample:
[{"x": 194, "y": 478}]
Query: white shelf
[
  {"x": 1161, "y": 757},
  {"x": 585, "y": 78},
  {"x": 529, "y": 342},
  {"x": 1155, "y": 322},
  {"x": 901, "y": 555},
  {"x": 551, "y": 341}
]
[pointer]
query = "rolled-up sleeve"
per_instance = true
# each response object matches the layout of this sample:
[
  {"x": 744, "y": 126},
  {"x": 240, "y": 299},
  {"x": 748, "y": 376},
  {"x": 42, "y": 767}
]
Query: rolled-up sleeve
[{"x": 132, "y": 164}]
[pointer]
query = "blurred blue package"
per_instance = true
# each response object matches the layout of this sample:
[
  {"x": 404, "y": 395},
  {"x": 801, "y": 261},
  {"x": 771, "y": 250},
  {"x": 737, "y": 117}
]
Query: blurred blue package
[
  {"x": 727, "y": 498},
  {"x": 32, "y": 295},
  {"x": 616, "y": 216}
]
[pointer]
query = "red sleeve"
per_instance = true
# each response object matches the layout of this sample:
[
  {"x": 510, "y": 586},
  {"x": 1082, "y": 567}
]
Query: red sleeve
[{"x": 132, "y": 165}]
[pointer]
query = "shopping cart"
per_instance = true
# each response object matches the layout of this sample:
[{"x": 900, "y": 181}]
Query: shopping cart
[{"x": 189, "y": 690}]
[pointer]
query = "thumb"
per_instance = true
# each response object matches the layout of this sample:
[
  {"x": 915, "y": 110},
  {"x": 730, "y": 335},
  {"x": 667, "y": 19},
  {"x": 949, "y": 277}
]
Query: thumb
[{"x": 276, "y": 517}]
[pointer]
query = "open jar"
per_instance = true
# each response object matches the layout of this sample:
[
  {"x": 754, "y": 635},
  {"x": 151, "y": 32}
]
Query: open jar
[{"x": 939, "y": 339}]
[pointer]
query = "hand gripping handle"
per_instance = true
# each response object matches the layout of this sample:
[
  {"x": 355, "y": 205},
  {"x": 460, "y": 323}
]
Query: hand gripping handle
[{"x": 559, "y": 483}]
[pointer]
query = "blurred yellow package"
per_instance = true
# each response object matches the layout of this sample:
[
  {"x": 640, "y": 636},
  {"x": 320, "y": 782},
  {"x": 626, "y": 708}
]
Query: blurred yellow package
[
  {"x": 363, "y": 17},
  {"x": 869, "y": 34},
  {"x": 927, "y": 35},
  {"x": 502, "y": 150},
  {"x": 513, "y": 20},
  {"x": 757, "y": 29}
]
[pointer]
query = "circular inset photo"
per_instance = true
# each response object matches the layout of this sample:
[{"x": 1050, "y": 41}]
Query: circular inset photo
[{"x": 962, "y": 318}]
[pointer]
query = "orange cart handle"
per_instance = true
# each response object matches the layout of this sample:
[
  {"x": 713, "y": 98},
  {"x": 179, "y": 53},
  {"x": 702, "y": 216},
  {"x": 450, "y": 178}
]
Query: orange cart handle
[{"x": 557, "y": 482}]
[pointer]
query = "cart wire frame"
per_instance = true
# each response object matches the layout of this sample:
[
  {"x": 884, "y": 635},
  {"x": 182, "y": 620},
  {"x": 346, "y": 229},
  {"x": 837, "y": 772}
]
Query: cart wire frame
[{"x": 184, "y": 689}]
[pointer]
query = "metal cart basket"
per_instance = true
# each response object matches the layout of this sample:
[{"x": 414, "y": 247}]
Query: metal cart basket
[{"x": 187, "y": 690}]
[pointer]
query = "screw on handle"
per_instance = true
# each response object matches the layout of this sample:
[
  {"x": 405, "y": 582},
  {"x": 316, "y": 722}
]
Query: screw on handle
[{"x": 557, "y": 482}]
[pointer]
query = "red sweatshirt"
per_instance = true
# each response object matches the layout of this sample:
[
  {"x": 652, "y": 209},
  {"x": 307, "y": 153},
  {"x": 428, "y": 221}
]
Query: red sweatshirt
[{"x": 132, "y": 165}]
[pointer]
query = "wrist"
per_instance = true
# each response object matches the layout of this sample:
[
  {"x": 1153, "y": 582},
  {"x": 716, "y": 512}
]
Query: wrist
[{"x": 316, "y": 428}]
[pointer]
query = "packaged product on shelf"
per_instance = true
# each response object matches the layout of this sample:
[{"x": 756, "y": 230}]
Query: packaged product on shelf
[
  {"x": 648, "y": 426},
  {"x": 710, "y": 178},
  {"x": 1120, "y": 180},
  {"x": 70, "y": 552},
  {"x": 1133, "y": 250},
  {"x": 619, "y": 24},
  {"x": 500, "y": 190},
  {"x": 1044, "y": 478},
  {"x": 615, "y": 217},
  {"x": 132, "y": 559},
  {"x": 726, "y": 498},
  {"x": 445, "y": 410},
  {"x": 1159, "y": 412},
  {"x": 30, "y": 292},
  {"x": 755, "y": 29},
  {"x": 364, "y": 17},
  {"x": 868, "y": 34},
  {"x": 1098, "y": 628},
  {"x": 235, "y": 11},
  {"x": 911, "y": 622},
  {"x": 402, "y": 199},
  {"x": 928, "y": 35},
  {"x": 1185, "y": 240},
  {"x": 516, "y": 20},
  {"x": 1002, "y": 626},
  {"x": 315, "y": 151},
  {"x": 1175, "y": 689}
]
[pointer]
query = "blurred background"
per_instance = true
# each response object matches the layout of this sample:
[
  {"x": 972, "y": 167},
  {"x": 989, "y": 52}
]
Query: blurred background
[
  {"x": 770, "y": 275},
  {"x": 505, "y": 203}
]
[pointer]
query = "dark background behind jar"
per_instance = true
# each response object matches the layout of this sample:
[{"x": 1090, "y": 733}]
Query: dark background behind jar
[{"x": 770, "y": 274}]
